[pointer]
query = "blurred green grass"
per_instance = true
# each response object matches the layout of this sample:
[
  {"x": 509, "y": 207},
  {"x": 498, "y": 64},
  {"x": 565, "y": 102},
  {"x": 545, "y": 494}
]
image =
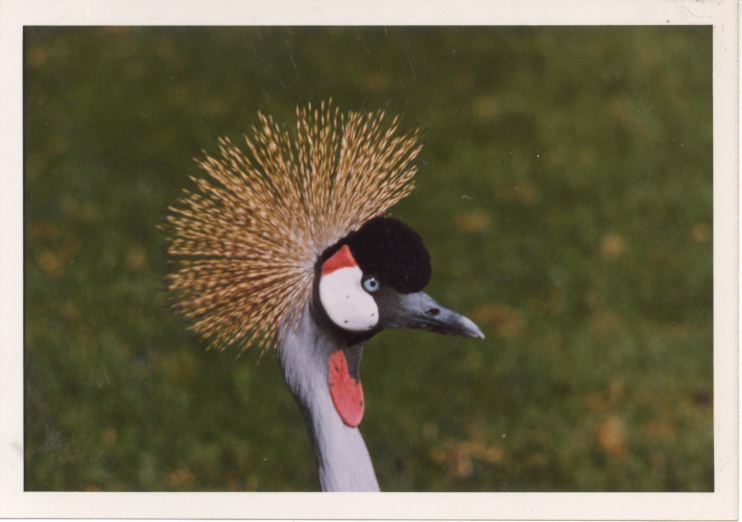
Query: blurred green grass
[{"x": 565, "y": 195}]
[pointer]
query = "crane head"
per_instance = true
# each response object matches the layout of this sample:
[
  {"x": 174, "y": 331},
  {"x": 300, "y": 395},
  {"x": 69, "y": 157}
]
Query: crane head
[{"x": 371, "y": 280}]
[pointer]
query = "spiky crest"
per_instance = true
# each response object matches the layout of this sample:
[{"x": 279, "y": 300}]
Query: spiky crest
[{"x": 245, "y": 240}]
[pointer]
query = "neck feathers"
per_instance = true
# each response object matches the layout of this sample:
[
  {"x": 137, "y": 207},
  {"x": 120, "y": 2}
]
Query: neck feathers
[{"x": 341, "y": 455}]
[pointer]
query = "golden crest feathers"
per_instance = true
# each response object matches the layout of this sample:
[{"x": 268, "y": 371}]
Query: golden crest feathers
[{"x": 245, "y": 240}]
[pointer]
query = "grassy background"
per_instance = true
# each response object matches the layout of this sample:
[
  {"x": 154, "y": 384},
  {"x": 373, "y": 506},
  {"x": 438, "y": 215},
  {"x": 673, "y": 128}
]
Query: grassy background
[{"x": 565, "y": 195}]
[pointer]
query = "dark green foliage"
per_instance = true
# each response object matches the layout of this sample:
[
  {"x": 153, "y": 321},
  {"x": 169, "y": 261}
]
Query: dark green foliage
[{"x": 565, "y": 196}]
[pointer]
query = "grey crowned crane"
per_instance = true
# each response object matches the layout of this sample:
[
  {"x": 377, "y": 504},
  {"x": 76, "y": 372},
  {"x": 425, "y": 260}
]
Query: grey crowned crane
[{"x": 283, "y": 242}]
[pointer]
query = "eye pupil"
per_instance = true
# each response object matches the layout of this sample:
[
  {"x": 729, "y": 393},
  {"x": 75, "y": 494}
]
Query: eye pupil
[{"x": 371, "y": 284}]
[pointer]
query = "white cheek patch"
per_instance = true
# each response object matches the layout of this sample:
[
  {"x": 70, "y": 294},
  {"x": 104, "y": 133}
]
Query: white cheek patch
[{"x": 346, "y": 302}]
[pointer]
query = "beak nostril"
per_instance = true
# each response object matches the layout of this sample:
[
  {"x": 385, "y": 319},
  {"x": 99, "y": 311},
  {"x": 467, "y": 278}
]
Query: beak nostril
[{"x": 432, "y": 311}]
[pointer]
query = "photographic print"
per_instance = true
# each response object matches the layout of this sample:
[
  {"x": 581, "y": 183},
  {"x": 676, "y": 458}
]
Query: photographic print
[{"x": 415, "y": 259}]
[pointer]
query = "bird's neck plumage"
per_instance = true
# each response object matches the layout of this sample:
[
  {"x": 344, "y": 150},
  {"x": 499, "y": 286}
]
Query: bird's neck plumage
[{"x": 341, "y": 455}]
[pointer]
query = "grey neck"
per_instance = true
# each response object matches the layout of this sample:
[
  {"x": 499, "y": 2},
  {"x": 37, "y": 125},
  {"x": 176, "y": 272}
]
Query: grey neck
[{"x": 342, "y": 459}]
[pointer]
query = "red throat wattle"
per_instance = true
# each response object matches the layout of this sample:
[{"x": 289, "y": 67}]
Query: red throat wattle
[{"x": 346, "y": 392}]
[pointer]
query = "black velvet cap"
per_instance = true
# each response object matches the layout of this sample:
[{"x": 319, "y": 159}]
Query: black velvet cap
[{"x": 392, "y": 252}]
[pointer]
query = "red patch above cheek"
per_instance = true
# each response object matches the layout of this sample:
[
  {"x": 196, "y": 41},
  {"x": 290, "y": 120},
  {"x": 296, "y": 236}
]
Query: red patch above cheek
[
  {"x": 346, "y": 392},
  {"x": 341, "y": 259}
]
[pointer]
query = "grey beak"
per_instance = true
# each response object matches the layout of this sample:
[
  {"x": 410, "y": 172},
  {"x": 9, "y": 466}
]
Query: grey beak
[{"x": 422, "y": 312}]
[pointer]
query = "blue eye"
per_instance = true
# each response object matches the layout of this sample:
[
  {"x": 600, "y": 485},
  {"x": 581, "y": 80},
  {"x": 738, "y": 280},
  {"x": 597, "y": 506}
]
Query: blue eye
[{"x": 371, "y": 284}]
